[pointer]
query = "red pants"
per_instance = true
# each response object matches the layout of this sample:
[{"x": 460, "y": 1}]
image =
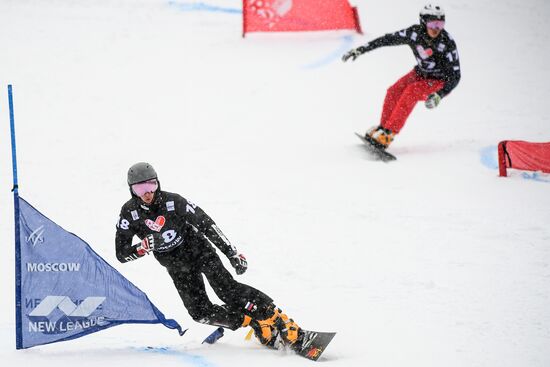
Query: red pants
[{"x": 402, "y": 97}]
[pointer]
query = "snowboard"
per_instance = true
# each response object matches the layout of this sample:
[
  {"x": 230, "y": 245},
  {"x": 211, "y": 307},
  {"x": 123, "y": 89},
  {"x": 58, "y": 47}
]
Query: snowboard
[
  {"x": 212, "y": 338},
  {"x": 313, "y": 344},
  {"x": 376, "y": 149}
]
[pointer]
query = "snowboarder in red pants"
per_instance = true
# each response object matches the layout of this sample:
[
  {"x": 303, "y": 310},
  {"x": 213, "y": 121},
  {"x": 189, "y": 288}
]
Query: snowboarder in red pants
[{"x": 437, "y": 71}]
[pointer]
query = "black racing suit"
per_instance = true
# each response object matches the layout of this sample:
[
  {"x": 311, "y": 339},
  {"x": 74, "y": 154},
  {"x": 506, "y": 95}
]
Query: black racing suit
[
  {"x": 184, "y": 235},
  {"x": 437, "y": 58}
]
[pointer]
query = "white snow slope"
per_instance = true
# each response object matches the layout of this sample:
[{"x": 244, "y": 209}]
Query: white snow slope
[{"x": 432, "y": 260}]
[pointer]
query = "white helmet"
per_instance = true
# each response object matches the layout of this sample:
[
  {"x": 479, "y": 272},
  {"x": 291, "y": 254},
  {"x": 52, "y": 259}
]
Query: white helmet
[{"x": 431, "y": 12}]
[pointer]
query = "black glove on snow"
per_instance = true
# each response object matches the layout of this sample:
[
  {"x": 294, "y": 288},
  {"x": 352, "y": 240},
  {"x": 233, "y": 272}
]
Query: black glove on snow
[{"x": 239, "y": 263}]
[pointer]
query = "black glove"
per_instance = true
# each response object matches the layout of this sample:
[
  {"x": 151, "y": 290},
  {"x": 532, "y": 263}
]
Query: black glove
[
  {"x": 239, "y": 263},
  {"x": 354, "y": 53},
  {"x": 147, "y": 245},
  {"x": 432, "y": 101}
]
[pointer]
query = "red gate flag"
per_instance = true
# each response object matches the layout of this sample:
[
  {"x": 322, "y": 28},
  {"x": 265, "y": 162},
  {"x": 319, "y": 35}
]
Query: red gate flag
[
  {"x": 523, "y": 155},
  {"x": 298, "y": 15}
]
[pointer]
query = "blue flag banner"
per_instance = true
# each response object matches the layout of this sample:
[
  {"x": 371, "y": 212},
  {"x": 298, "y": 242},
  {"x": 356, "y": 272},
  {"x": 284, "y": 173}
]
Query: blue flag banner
[{"x": 67, "y": 290}]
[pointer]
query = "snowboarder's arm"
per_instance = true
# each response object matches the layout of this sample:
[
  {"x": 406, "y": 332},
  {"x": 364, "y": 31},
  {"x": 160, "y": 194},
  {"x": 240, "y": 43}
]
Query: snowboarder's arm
[
  {"x": 125, "y": 251},
  {"x": 402, "y": 37},
  {"x": 452, "y": 71},
  {"x": 197, "y": 218}
]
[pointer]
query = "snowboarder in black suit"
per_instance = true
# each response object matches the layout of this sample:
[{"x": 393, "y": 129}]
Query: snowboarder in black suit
[{"x": 180, "y": 235}]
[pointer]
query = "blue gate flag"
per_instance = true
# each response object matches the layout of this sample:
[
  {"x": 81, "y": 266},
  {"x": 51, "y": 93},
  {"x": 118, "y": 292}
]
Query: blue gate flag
[{"x": 67, "y": 290}]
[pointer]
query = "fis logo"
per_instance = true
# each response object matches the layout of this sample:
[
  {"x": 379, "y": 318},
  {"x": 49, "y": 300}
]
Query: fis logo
[
  {"x": 59, "y": 315},
  {"x": 37, "y": 236}
]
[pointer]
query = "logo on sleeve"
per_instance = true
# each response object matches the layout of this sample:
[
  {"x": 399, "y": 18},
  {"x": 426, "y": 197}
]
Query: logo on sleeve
[
  {"x": 424, "y": 53},
  {"x": 157, "y": 224},
  {"x": 170, "y": 206}
]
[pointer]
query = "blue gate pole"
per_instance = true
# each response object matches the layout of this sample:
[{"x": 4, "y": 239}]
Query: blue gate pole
[{"x": 18, "y": 319}]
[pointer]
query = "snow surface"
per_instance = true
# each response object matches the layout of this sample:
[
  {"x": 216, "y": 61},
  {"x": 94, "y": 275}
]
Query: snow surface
[{"x": 432, "y": 260}]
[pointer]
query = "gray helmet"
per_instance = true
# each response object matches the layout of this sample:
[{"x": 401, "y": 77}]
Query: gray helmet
[{"x": 140, "y": 172}]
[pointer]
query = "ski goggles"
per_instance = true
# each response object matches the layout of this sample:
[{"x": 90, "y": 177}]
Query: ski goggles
[
  {"x": 142, "y": 188},
  {"x": 436, "y": 24}
]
